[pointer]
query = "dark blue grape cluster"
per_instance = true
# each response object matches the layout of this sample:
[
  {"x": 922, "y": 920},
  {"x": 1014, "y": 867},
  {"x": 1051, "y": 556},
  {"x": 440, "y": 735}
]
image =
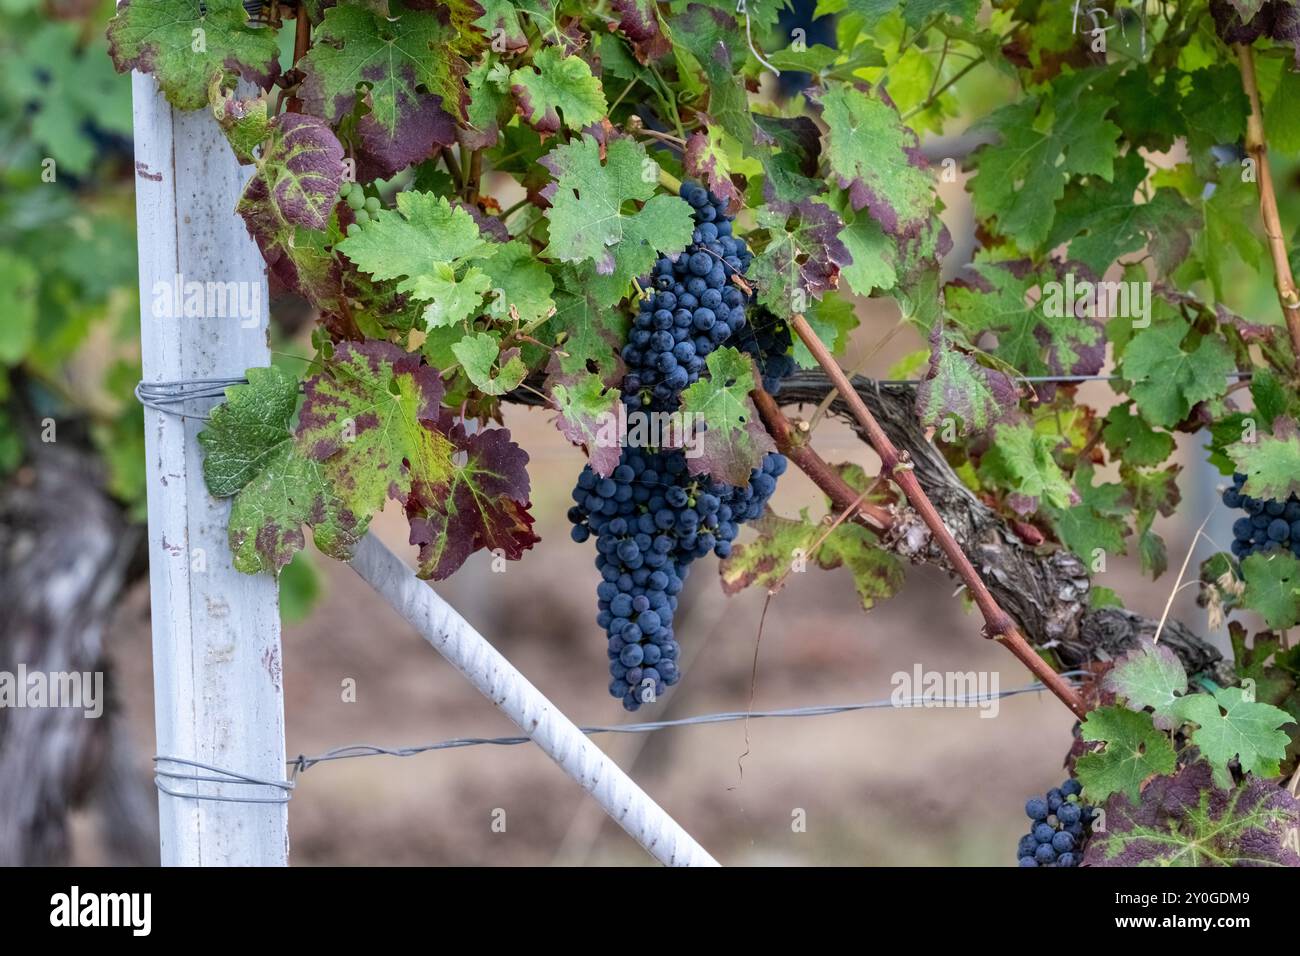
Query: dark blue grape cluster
[
  {"x": 651, "y": 518},
  {"x": 769, "y": 341},
  {"x": 1060, "y": 825},
  {"x": 1268, "y": 523},
  {"x": 691, "y": 308}
]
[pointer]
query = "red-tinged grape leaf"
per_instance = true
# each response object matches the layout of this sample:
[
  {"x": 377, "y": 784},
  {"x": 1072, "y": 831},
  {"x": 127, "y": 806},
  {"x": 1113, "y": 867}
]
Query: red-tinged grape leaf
[
  {"x": 1231, "y": 726},
  {"x": 802, "y": 256},
  {"x": 1271, "y": 463},
  {"x": 1032, "y": 338},
  {"x": 710, "y": 35},
  {"x": 435, "y": 248},
  {"x": 785, "y": 547},
  {"x": 493, "y": 371},
  {"x": 298, "y": 175},
  {"x": 589, "y": 417},
  {"x": 250, "y": 453},
  {"x": 1043, "y": 140},
  {"x": 877, "y": 158},
  {"x": 733, "y": 442},
  {"x": 501, "y": 24},
  {"x": 638, "y": 20},
  {"x": 246, "y": 122},
  {"x": 371, "y": 419},
  {"x": 1273, "y": 587},
  {"x": 556, "y": 87},
  {"x": 1183, "y": 820},
  {"x": 1022, "y": 461},
  {"x": 408, "y": 71},
  {"x": 1150, "y": 676},
  {"x": 1134, "y": 752},
  {"x": 187, "y": 44},
  {"x": 1169, "y": 374},
  {"x": 790, "y": 154},
  {"x": 957, "y": 385},
  {"x": 706, "y": 160},
  {"x": 589, "y": 217},
  {"x": 1101, "y": 222},
  {"x": 480, "y": 502}
]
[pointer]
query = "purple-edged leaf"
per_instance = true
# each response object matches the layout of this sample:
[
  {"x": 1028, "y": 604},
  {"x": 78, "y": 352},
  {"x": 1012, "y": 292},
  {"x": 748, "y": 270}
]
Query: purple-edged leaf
[
  {"x": 958, "y": 385},
  {"x": 250, "y": 453},
  {"x": 733, "y": 442},
  {"x": 877, "y": 158},
  {"x": 711, "y": 35},
  {"x": 1150, "y": 676},
  {"x": 802, "y": 257},
  {"x": 638, "y": 20},
  {"x": 556, "y": 87},
  {"x": 706, "y": 160},
  {"x": 589, "y": 416},
  {"x": 501, "y": 24},
  {"x": 371, "y": 419},
  {"x": 481, "y": 502},
  {"x": 1133, "y": 753},
  {"x": 162, "y": 37},
  {"x": 300, "y": 171},
  {"x": 407, "y": 72},
  {"x": 1184, "y": 820}
]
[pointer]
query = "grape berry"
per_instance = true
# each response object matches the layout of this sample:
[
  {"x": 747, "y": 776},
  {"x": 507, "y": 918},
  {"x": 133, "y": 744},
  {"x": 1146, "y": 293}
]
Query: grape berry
[
  {"x": 1060, "y": 826},
  {"x": 1267, "y": 524}
]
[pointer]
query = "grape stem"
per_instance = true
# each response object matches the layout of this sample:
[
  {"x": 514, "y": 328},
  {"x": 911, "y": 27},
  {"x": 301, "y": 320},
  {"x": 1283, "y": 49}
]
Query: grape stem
[
  {"x": 1257, "y": 147},
  {"x": 894, "y": 465}
]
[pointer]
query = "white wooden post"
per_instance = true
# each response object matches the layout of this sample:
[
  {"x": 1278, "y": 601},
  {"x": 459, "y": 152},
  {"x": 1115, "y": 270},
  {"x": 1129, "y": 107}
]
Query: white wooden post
[{"x": 216, "y": 632}]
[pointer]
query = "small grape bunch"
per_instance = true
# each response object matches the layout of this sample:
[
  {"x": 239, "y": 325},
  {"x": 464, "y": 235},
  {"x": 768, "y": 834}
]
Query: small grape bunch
[
  {"x": 1267, "y": 524},
  {"x": 363, "y": 207},
  {"x": 1060, "y": 826}
]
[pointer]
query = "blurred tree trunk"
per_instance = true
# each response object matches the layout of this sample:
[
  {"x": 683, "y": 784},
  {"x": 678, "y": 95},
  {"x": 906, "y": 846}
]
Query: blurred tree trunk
[{"x": 67, "y": 552}]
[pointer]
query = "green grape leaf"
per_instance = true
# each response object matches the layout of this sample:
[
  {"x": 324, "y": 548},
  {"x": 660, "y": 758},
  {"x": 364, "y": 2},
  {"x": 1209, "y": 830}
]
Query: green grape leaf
[
  {"x": 877, "y": 158},
  {"x": 1273, "y": 587},
  {"x": 1183, "y": 820},
  {"x": 1170, "y": 377},
  {"x": 710, "y": 35},
  {"x": 1101, "y": 222},
  {"x": 589, "y": 412},
  {"x": 1133, "y": 441},
  {"x": 407, "y": 70},
  {"x": 1233, "y": 726},
  {"x": 588, "y": 334},
  {"x": 481, "y": 502},
  {"x": 480, "y": 354},
  {"x": 1021, "y": 460},
  {"x": 250, "y": 453},
  {"x": 1042, "y": 141},
  {"x": 246, "y": 122},
  {"x": 488, "y": 109},
  {"x": 434, "y": 246},
  {"x": 833, "y": 319},
  {"x": 1150, "y": 676},
  {"x": 1134, "y": 752},
  {"x": 784, "y": 547},
  {"x": 556, "y": 84},
  {"x": 872, "y": 268},
  {"x": 371, "y": 420},
  {"x": 733, "y": 442},
  {"x": 186, "y": 44},
  {"x": 590, "y": 218},
  {"x": 520, "y": 285},
  {"x": 1271, "y": 463},
  {"x": 1097, "y": 522}
]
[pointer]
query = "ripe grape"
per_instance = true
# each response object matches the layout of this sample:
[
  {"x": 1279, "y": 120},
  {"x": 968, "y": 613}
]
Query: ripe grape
[
  {"x": 769, "y": 341},
  {"x": 1060, "y": 826},
  {"x": 1267, "y": 524}
]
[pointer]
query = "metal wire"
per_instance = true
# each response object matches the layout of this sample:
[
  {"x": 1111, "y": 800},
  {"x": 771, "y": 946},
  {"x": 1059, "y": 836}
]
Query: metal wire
[
  {"x": 160, "y": 396},
  {"x": 221, "y": 776}
]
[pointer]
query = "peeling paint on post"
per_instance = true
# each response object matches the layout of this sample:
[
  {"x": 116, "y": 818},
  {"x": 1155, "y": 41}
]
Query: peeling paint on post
[{"x": 216, "y": 632}]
